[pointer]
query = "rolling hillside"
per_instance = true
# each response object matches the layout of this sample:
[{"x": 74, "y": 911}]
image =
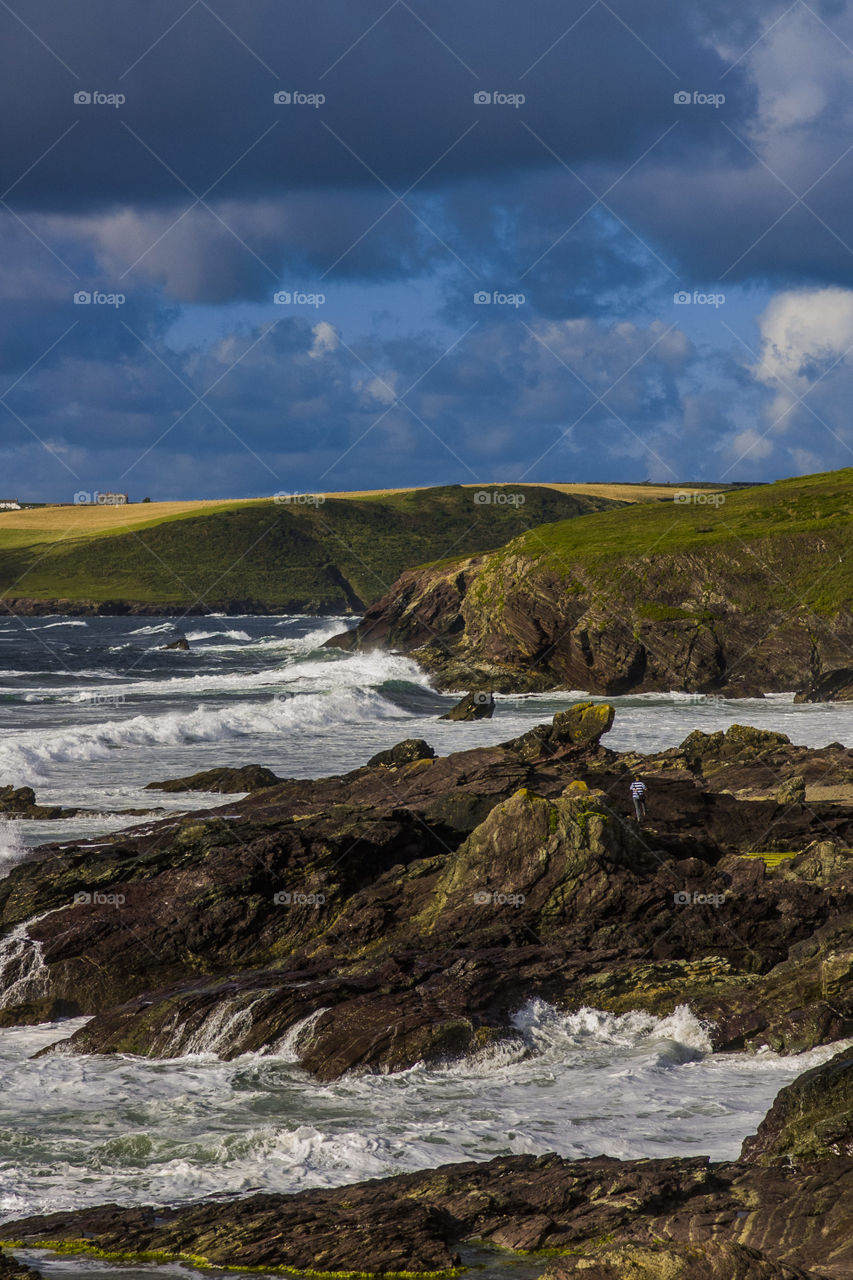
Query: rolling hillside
[
  {"x": 258, "y": 555},
  {"x": 746, "y": 591}
]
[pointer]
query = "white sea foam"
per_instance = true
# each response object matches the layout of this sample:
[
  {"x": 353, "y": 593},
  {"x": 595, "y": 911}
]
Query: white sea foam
[
  {"x": 23, "y": 973},
  {"x": 140, "y": 1131},
  {"x": 12, "y": 847},
  {"x": 212, "y": 635},
  {"x": 28, "y": 757}
]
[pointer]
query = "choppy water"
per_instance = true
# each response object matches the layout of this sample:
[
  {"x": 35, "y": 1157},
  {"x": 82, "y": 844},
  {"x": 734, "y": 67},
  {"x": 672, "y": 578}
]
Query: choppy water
[
  {"x": 76, "y": 1131},
  {"x": 92, "y": 710}
]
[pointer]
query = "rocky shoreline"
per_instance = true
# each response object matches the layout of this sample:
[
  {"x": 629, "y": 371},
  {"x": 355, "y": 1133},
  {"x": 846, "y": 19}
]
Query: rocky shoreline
[
  {"x": 404, "y": 912},
  {"x": 780, "y": 1212}
]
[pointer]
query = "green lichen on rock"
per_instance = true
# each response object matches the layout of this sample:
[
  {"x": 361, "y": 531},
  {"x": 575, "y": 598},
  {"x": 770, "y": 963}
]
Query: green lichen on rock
[{"x": 811, "y": 1119}]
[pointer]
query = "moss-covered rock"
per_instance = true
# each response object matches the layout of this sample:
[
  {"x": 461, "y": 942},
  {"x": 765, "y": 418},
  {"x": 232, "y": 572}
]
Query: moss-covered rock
[{"x": 811, "y": 1119}]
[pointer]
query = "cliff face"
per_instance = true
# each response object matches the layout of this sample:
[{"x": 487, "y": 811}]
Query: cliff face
[{"x": 523, "y": 619}]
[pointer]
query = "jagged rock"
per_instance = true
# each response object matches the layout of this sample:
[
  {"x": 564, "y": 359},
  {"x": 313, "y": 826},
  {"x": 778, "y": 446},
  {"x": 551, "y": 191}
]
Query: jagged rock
[
  {"x": 421, "y": 906},
  {"x": 20, "y": 802},
  {"x": 12, "y": 1269},
  {"x": 582, "y": 725},
  {"x": 404, "y": 753},
  {"x": 811, "y": 1119},
  {"x": 831, "y": 686},
  {"x": 792, "y": 791},
  {"x": 181, "y": 643},
  {"x": 250, "y": 777},
  {"x": 671, "y": 1219},
  {"x": 822, "y": 862},
  {"x": 474, "y": 706}
]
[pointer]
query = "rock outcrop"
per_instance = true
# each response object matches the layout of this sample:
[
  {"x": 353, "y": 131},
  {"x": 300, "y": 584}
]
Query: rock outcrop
[
  {"x": 249, "y": 777},
  {"x": 20, "y": 802},
  {"x": 405, "y": 912},
  {"x": 474, "y": 706},
  {"x": 656, "y": 599},
  {"x": 830, "y": 686},
  {"x": 403, "y": 753}
]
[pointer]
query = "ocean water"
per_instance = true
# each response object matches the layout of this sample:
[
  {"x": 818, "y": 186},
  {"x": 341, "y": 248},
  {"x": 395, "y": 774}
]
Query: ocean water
[{"x": 92, "y": 710}]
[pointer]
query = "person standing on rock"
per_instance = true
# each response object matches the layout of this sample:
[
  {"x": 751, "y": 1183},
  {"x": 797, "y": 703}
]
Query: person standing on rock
[{"x": 638, "y": 795}]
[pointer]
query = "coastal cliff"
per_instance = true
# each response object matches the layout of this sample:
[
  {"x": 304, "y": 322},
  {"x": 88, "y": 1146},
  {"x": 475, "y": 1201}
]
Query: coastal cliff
[{"x": 745, "y": 596}]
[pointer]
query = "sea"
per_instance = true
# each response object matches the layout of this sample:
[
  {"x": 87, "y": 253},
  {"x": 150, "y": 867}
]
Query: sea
[{"x": 91, "y": 710}]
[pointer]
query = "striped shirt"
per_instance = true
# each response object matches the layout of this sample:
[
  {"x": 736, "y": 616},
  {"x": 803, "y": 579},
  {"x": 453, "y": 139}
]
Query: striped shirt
[{"x": 638, "y": 790}]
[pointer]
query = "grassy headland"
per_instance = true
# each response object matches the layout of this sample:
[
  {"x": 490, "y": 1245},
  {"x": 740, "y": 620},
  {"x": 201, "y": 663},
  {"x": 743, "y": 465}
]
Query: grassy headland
[
  {"x": 258, "y": 554},
  {"x": 749, "y": 589}
]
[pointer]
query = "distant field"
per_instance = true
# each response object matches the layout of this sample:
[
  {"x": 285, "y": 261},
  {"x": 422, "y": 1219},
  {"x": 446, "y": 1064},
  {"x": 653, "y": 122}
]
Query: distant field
[
  {"x": 258, "y": 554},
  {"x": 47, "y": 524}
]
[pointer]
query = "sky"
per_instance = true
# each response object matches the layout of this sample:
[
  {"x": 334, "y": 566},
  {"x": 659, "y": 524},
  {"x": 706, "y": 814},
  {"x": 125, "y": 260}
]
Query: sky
[{"x": 319, "y": 245}]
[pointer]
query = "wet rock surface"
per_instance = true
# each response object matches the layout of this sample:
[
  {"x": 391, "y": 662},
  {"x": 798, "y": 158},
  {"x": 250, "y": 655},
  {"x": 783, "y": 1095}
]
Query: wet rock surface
[
  {"x": 20, "y": 802},
  {"x": 404, "y": 913},
  {"x": 250, "y": 777},
  {"x": 404, "y": 753},
  {"x": 474, "y": 706}
]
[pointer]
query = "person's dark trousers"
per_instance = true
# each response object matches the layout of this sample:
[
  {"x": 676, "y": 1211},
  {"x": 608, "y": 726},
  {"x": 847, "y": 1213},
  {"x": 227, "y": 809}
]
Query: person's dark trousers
[{"x": 639, "y": 808}]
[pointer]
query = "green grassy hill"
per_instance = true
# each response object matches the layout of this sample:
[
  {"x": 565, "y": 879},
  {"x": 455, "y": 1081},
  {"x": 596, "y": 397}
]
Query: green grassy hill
[
  {"x": 263, "y": 555},
  {"x": 794, "y": 536},
  {"x": 744, "y": 590}
]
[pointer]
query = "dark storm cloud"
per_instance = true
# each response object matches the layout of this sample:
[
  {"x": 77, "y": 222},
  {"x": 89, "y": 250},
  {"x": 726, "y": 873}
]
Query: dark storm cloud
[
  {"x": 597, "y": 199},
  {"x": 398, "y": 94}
]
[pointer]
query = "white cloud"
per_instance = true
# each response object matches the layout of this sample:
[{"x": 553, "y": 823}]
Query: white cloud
[
  {"x": 805, "y": 333},
  {"x": 325, "y": 339}
]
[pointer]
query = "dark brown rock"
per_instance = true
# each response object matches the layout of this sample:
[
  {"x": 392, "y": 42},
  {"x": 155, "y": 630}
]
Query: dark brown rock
[
  {"x": 474, "y": 706},
  {"x": 678, "y": 1219},
  {"x": 811, "y": 1119},
  {"x": 20, "y": 802},
  {"x": 830, "y": 686},
  {"x": 403, "y": 753},
  {"x": 250, "y": 777}
]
